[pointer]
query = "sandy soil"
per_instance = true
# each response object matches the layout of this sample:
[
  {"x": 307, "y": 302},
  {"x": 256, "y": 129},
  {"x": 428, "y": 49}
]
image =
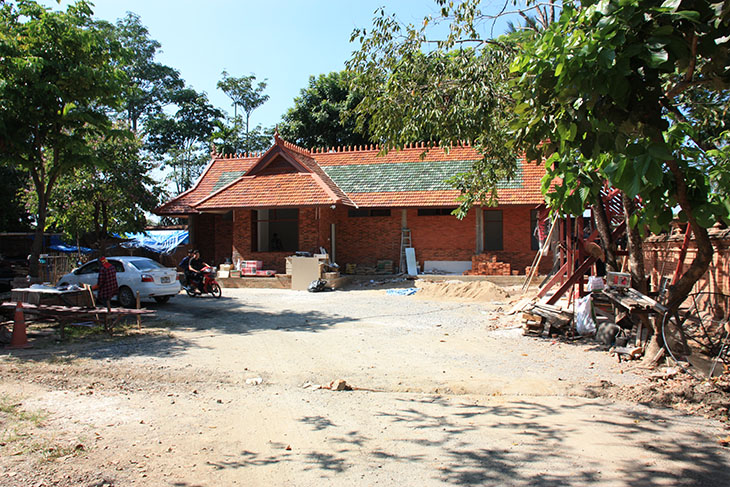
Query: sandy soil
[{"x": 447, "y": 392}]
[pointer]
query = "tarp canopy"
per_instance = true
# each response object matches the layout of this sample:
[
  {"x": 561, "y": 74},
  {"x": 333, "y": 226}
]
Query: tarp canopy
[
  {"x": 159, "y": 241},
  {"x": 57, "y": 245}
]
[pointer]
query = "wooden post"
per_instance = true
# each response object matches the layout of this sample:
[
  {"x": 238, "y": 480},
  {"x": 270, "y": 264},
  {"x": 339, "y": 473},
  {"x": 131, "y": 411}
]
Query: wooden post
[
  {"x": 139, "y": 316},
  {"x": 542, "y": 251}
]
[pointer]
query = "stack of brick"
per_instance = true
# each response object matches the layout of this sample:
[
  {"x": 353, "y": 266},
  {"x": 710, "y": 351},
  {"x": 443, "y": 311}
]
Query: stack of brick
[
  {"x": 250, "y": 268},
  {"x": 488, "y": 265}
]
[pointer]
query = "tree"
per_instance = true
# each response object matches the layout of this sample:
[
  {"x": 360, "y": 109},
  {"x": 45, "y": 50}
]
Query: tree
[
  {"x": 631, "y": 92},
  {"x": 244, "y": 94},
  {"x": 322, "y": 113},
  {"x": 13, "y": 215},
  {"x": 91, "y": 203},
  {"x": 440, "y": 90},
  {"x": 611, "y": 85},
  {"x": 149, "y": 84},
  {"x": 230, "y": 137},
  {"x": 59, "y": 76},
  {"x": 180, "y": 140}
]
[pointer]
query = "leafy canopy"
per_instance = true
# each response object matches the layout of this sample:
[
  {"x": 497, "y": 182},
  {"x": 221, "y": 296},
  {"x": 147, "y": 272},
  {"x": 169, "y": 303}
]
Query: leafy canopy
[
  {"x": 633, "y": 91},
  {"x": 59, "y": 78},
  {"x": 149, "y": 84},
  {"x": 443, "y": 87},
  {"x": 321, "y": 115}
]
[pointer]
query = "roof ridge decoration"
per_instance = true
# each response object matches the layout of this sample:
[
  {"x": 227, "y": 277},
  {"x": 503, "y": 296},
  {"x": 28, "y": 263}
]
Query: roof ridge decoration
[
  {"x": 237, "y": 155},
  {"x": 377, "y": 147}
]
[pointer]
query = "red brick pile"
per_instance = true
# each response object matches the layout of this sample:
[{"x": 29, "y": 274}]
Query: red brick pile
[{"x": 487, "y": 265}]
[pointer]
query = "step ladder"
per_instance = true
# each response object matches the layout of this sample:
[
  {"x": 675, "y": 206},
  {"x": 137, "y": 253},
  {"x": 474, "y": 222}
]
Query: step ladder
[{"x": 405, "y": 242}]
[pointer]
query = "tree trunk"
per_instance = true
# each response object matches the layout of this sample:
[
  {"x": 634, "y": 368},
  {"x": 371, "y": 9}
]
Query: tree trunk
[
  {"x": 104, "y": 220},
  {"x": 636, "y": 251},
  {"x": 96, "y": 221},
  {"x": 678, "y": 292},
  {"x": 37, "y": 247},
  {"x": 638, "y": 277},
  {"x": 604, "y": 232}
]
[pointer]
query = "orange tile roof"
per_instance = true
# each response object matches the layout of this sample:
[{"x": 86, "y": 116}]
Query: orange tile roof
[
  {"x": 226, "y": 184},
  {"x": 206, "y": 184},
  {"x": 270, "y": 190}
]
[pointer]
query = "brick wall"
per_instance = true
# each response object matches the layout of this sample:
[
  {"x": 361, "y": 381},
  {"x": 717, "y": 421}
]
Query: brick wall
[
  {"x": 443, "y": 237},
  {"x": 365, "y": 240},
  {"x": 213, "y": 237},
  {"x": 312, "y": 235},
  {"x": 517, "y": 238},
  {"x": 204, "y": 236},
  {"x": 661, "y": 254},
  {"x": 223, "y": 239}
]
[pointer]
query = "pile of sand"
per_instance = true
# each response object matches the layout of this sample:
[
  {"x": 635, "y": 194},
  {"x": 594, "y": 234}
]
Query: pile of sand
[{"x": 473, "y": 291}]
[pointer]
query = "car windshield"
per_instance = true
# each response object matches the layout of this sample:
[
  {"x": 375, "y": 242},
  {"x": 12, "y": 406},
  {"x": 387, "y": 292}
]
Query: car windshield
[{"x": 146, "y": 264}]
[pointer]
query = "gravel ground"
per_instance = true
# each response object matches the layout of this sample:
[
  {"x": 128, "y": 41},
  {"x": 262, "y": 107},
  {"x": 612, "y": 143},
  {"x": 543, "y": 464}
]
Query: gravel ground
[{"x": 228, "y": 392}]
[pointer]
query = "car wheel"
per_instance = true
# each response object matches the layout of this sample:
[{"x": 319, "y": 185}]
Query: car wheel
[
  {"x": 215, "y": 290},
  {"x": 162, "y": 299},
  {"x": 126, "y": 297}
]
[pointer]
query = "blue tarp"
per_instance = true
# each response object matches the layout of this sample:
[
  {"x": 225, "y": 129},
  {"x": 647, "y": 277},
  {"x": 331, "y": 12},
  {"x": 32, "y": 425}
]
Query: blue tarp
[
  {"x": 408, "y": 291},
  {"x": 159, "y": 241},
  {"x": 58, "y": 245}
]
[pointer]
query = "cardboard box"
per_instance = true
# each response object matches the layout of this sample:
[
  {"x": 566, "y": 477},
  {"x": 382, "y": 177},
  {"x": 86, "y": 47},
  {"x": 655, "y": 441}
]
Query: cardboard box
[
  {"x": 256, "y": 264},
  {"x": 618, "y": 279}
]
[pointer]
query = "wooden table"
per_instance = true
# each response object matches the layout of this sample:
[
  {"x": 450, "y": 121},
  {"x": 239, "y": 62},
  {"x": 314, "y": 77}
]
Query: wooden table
[
  {"x": 65, "y": 315},
  {"x": 52, "y": 296}
]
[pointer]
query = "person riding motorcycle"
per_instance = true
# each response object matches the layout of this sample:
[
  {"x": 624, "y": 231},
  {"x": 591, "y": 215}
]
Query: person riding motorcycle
[
  {"x": 184, "y": 265},
  {"x": 195, "y": 266}
]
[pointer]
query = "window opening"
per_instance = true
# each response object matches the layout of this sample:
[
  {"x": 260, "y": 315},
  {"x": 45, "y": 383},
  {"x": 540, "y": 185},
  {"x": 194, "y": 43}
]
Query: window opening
[
  {"x": 275, "y": 230},
  {"x": 493, "y": 230}
]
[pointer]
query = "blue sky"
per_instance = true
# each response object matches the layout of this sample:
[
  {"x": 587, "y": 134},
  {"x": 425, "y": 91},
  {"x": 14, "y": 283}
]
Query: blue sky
[{"x": 284, "y": 41}]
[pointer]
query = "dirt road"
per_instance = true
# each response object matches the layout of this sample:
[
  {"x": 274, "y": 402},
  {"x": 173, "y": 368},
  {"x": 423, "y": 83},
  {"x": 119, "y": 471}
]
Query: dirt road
[{"x": 226, "y": 392}]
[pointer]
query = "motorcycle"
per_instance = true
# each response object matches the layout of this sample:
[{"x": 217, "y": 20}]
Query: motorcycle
[{"x": 209, "y": 285}]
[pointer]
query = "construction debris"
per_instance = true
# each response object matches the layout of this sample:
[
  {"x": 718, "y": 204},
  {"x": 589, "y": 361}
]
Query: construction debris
[
  {"x": 339, "y": 385},
  {"x": 488, "y": 265},
  {"x": 537, "y": 315}
]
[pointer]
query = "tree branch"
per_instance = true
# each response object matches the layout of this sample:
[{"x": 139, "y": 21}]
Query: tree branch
[{"x": 687, "y": 81}]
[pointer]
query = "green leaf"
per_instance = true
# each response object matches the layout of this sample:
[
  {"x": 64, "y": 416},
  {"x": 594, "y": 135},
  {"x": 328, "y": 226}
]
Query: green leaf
[
  {"x": 654, "y": 174},
  {"x": 657, "y": 58},
  {"x": 664, "y": 30},
  {"x": 522, "y": 108},
  {"x": 671, "y": 4},
  {"x": 607, "y": 58},
  {"x": 690, "y": 15},
  {"x": 67, "y": 108},
  {"x": 660, "y": 151}
]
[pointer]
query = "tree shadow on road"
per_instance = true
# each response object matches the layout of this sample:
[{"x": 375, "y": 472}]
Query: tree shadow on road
[
  {"x": 156, "y": 338},
  {"x": 521, "y": 443}
]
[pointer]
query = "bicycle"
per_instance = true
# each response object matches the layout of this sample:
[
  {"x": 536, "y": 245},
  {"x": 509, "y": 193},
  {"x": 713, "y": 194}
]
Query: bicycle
[{"x": 697, "y": 336}]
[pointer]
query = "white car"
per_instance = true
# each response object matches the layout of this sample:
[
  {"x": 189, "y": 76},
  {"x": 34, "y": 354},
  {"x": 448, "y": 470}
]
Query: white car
[{"x": 150, "y": 278}]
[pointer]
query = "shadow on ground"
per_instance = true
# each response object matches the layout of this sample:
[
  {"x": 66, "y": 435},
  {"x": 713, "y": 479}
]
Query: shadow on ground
[{"x": 521, "y": 443}]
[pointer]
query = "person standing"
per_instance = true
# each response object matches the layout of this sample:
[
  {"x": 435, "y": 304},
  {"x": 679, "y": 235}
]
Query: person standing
[{"x": 106, "y": 284}]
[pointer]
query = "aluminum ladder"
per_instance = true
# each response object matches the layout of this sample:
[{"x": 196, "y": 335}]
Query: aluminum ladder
[{"x": 405, "y": 242}]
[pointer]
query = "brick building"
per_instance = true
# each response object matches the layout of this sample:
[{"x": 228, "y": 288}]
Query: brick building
[{"x": 353, "y": 203}]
